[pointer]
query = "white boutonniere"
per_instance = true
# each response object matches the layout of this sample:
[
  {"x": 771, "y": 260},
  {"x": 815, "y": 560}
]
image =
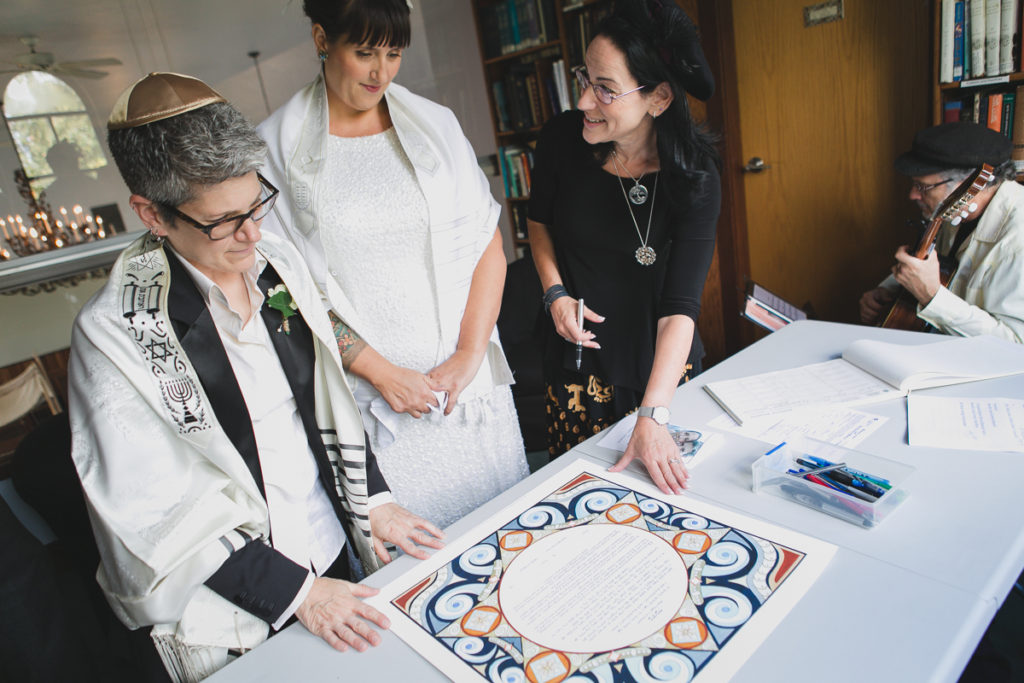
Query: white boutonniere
[{"x": 280, "y": 299}]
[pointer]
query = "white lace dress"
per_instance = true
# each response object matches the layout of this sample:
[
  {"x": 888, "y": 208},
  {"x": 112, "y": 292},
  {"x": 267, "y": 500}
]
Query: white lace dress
[{"x": 375, "y": 236}]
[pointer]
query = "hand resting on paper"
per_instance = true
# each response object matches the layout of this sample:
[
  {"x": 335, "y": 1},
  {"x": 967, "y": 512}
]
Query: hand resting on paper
[
  {"x": 653, "y": 444},
  {"x": 334, "y": 609}
]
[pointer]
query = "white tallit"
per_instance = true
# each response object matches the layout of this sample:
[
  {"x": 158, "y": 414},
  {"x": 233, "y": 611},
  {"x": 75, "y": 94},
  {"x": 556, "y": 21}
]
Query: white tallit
[
  {"x": 168, "y": 494},
  {"x": 462, "y": 214}
]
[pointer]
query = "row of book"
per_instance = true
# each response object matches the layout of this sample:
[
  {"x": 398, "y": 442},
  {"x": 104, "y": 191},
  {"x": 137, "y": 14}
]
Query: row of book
[
  {"x": 999, "y": 111},
  {"x": 511, "y": 25},
  {"x": 580, "y": 28},
  {"x": 978, "y": 38},
  {"x": 516, "y": 163},
  {"x": 530, "y": 93},
  {"x": 993, "y": 109}
]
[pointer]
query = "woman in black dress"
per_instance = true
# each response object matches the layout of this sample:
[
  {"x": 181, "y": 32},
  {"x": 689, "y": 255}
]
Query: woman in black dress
[{"x": 624, "y": 202}]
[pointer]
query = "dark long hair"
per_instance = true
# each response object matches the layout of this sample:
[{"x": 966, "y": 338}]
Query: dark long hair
[
  {"x": 661, "y": 45},
  {"x": 362, "y": 22}
]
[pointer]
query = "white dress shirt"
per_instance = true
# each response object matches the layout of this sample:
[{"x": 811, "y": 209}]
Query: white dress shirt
[{"x": 304, "y": 526}]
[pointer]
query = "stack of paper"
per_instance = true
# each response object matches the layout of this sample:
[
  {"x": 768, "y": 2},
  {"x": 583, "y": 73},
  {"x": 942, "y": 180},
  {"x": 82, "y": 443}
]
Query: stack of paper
[{"x": 868, "y": 371}]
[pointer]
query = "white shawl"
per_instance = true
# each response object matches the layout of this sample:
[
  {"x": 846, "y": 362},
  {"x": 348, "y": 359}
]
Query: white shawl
[
  {"x": 168, "y": 495},
  {"x": 462, "y": 213}
]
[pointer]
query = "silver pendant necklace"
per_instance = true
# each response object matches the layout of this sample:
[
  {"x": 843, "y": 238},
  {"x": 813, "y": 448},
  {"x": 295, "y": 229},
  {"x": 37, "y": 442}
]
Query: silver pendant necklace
[
  {"x": 637, "y": 193},
  {"x": 644, "y": 254}
]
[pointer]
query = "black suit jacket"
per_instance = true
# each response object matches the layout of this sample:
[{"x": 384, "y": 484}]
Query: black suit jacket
[{"x": 256, "y": 577}]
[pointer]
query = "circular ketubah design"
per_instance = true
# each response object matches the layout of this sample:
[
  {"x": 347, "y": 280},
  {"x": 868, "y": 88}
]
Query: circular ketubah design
[{"x": 593, "y": 588}]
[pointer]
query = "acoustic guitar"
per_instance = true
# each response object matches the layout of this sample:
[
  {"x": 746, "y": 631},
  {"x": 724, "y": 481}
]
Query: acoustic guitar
[{"x": 954, "y": 208}]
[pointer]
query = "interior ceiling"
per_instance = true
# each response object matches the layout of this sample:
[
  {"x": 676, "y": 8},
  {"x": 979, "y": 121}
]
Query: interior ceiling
[{"x": 205, "y": 38}]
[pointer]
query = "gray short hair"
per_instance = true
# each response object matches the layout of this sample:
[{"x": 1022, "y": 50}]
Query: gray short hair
[{"x": 169, "y": 161}]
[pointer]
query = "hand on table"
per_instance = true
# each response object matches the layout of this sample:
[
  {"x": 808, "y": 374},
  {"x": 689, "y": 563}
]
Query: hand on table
[
  {"x": 563, "y": 314},
  {"x": 394, "y": 524},
  {"x": 656, "y": 448},
  {"x": 333, "y": 610},
  {"x": 453, "y": 375},
  {"x": 874, "y": 303}
]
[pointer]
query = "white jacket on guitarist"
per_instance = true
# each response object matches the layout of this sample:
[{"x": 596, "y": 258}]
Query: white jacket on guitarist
[{"x": 986, "y": 294}]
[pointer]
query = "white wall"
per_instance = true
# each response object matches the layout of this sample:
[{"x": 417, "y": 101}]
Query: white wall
[{"x": 443, "y": 63}]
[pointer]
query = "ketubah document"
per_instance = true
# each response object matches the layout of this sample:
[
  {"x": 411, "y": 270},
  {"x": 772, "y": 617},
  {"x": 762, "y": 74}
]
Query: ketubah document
[{"x": 599, "y": 576}]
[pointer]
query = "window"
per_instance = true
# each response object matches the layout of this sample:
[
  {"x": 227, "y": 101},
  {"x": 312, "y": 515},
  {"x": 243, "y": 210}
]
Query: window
[{"x": 46, "y": 118}]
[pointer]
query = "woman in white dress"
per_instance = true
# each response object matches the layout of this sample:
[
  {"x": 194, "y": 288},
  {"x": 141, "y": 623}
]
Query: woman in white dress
[{"x": 382, "y": 195}]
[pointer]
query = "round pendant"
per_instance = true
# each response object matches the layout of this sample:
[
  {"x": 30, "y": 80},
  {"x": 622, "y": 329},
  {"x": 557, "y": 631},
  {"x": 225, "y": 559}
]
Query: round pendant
[
  {"x": 638, "y": 194},
  {"x": 645, "y": 256}
]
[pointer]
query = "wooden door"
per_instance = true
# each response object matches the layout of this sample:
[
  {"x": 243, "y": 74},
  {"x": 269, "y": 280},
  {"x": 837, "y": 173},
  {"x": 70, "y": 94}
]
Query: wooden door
[{"x": 828, "y": 108}]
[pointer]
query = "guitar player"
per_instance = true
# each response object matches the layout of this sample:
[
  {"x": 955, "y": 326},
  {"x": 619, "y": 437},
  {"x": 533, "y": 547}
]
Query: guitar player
[{"x": 986, "y": 292}]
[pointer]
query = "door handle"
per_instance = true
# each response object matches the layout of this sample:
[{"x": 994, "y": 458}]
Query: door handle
[{"x": 756, "y": 165}]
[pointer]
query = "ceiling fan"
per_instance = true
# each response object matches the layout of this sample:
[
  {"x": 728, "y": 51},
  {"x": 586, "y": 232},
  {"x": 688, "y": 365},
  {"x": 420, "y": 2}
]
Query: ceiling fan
[{"x": 45, "y": 61}]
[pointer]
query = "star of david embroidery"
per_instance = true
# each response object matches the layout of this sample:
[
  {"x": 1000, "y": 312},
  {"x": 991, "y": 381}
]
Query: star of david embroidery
[
  {"x": 143, "y": 262},
  {"x": 158, "y": 350}
]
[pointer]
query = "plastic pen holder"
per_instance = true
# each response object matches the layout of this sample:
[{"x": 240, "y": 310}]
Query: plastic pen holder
[{"x": 772, "y": 475}]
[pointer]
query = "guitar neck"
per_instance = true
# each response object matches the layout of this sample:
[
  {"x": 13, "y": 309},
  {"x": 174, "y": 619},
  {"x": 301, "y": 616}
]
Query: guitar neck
[{"x": 924, "y": 246}]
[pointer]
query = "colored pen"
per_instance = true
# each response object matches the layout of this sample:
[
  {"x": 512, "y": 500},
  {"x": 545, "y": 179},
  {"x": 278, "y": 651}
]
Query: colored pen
[
  {"x": 841, "y": 474},
  {"x": 579, "y": 344},
  {"x": 879, "y": 481},
  {"x": 848, "y": 490}
]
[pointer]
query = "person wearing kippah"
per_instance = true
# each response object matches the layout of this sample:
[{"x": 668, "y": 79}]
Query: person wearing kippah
[
  {"x": 623, "y": 207},
  {"x": 986, "y": 292},
  {"x": 221, "y": 453}
]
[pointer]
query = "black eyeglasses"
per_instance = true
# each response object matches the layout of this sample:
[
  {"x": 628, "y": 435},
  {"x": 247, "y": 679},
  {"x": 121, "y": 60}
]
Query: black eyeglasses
[
  {"x": 226, "y": 227},
  {"x": 603, "y": 94},
  {"x": 924, "y": 188}
]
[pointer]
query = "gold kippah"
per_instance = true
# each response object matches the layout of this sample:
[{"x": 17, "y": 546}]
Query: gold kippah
[{"x": 158, "y": 96}]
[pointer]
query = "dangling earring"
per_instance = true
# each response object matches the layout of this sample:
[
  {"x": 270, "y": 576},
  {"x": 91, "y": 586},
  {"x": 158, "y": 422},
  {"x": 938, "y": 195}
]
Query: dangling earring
[
  {"x": 323, "y": 56},
  {"x": 159, "y": 239}
]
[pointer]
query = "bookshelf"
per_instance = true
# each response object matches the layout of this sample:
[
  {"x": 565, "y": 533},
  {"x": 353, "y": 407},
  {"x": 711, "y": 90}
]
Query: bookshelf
[
  {"x": 528, "y": 49},
  {"x": 992, "y": 94}
]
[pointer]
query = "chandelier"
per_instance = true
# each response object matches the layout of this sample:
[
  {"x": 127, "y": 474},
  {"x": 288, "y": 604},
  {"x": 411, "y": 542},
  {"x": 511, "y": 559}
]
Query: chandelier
[{"x": 45, "y": 232}]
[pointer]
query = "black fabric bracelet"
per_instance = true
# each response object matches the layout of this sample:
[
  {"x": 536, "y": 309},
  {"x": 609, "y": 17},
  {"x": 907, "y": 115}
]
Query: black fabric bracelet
[{"x": 553, "y": 293}]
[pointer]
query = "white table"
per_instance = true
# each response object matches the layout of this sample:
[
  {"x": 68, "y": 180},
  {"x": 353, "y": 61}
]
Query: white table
[{"x": 907, "y": 600}]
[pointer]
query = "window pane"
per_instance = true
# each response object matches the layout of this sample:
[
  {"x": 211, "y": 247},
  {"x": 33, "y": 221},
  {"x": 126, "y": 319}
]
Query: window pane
[
  {"x": 33, "y": 138},
  {"x": 77, "y": 130},
  {"x": 37, "y": 92}
]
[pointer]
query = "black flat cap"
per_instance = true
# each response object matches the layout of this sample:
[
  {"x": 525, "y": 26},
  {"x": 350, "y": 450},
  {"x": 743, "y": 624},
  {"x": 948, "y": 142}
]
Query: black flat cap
[{"x": 954, "y": 145}]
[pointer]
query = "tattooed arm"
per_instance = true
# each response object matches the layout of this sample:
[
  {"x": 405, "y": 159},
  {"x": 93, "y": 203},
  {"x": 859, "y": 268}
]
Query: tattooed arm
[
  {"x": 350, "y": 344},
  {"x": 405, "y": 390}
]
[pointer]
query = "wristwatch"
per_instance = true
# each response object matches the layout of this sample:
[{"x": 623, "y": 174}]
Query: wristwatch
[{"x": 659, "y": 414}]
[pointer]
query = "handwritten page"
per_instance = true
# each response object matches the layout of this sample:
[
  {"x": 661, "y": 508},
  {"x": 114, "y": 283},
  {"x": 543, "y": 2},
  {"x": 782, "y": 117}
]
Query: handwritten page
[
  {"x": 771, "y": 393},
  {"x": 837, "y": 425},
  {"x": 869, "y": 371},
  {"x": 976, "y": 424}
]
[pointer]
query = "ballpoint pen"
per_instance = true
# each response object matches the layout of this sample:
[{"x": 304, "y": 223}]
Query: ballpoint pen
[{"x": 579, "y": 344}]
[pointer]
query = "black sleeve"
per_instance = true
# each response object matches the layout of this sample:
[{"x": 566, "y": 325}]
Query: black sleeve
[
  {"x": 551, "y": 148},
  {"x": 374, "y": 479},
  {"x": 258, "y": 579},
  {"x": 693, "y": 247}
]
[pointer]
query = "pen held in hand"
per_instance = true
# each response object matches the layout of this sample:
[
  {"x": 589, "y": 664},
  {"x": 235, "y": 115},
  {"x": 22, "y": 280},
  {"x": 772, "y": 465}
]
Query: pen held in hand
[{"x": 579, "y": 344}]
